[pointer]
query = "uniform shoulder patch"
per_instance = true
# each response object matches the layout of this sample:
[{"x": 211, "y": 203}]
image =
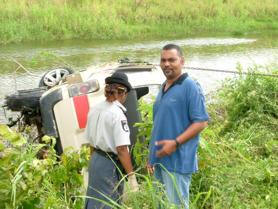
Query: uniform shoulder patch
[{"x": 125, "y": 125}]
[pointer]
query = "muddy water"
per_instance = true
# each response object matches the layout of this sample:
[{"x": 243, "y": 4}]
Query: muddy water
[{"x": 223, "y": 53}]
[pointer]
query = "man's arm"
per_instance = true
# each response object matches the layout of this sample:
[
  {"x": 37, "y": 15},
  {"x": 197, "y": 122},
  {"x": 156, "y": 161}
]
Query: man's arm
[
  {"x": 191, "y": 131},
  {"x": 124, "y": 157},
  {"x": 169, "y": 145}
]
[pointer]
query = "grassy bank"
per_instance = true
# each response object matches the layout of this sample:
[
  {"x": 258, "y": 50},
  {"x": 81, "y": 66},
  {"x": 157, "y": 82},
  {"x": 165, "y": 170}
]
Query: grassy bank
[
  {"x": 237, "y": 168},
  {"x": 26, "y": 20},
  {"x": 239, "y": 151},
  {"x": 238, "y": 154}
]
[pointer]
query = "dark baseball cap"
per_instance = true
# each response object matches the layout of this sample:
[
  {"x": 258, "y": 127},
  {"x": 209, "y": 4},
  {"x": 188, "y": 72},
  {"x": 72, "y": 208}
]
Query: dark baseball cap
[{"x": 120, "y": 78}]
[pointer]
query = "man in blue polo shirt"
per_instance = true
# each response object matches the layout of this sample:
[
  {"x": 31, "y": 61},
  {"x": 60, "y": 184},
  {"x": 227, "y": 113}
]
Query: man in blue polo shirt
[{"x": 179, "y": 116}]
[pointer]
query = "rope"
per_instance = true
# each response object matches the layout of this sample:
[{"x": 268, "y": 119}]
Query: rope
[
  {"x": 227, "y": 71},
  {"x": 21, "y": 66},
  {"x": 14, "y": 73},
  {"x": 230, "y": 71}
]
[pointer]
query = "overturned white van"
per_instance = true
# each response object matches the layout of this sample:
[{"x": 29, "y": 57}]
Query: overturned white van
[{"x": 60, "y": 105}]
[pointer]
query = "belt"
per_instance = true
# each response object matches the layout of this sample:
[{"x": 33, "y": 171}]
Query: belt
[
  {"x": 112, "y": 156},
  {"x": 108, "y": 155}
]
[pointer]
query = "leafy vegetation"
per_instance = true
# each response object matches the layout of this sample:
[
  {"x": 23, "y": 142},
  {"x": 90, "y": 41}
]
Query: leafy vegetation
[
  {"x": 33, "y": 177},
  {"x": 238, "y": 166},
  {"x": 27, "y": 20},
  {"x": 238, "y": 154}
]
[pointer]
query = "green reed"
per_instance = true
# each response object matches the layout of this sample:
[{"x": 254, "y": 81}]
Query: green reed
[{"x": 27, "y": 20}]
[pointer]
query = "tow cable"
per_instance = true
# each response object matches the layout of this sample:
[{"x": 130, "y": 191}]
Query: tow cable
[{"x": 231, "y": 71}]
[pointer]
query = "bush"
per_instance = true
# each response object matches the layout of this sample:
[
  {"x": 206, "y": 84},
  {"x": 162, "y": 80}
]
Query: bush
[
  {"x": 32, "y": 176},
  {"x": 238, "y": 152}
]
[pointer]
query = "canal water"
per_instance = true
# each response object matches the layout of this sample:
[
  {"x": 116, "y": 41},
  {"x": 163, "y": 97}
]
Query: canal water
[{"x": 213, "y": 52}]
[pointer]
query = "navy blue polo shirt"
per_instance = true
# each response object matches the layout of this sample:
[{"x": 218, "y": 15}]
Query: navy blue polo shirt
[{"x": 173, "y": 112}]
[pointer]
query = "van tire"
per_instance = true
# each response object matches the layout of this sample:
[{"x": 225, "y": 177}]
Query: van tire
[{"x": 54, "y": 76}]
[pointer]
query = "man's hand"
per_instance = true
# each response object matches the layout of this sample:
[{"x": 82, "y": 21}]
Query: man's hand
[
  {"x": 130, "y": 187},
  {"x": 168, "y": 146},
  {"x": 132, "y": 183},
  {"x": 150, "y": 168}
]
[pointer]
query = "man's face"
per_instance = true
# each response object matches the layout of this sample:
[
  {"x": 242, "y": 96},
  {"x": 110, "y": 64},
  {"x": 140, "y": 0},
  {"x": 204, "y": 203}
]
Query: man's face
[
  {"x": 171, "y": 64},
  {"x": 116, "y": 92},
  {"x": 122, "y": 94}
]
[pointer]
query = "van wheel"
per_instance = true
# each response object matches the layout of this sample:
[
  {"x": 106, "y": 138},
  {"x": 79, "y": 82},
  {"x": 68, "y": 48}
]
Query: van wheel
[{"x": 53, "y": 77}]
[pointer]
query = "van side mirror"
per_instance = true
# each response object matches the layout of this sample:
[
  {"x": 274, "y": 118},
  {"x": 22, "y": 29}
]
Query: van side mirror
[{"x": 141, "y": 91}]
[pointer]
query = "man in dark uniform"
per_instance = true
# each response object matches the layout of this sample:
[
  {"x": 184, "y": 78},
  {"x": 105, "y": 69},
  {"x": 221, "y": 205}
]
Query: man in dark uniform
[{"x": 108, "y": 132}]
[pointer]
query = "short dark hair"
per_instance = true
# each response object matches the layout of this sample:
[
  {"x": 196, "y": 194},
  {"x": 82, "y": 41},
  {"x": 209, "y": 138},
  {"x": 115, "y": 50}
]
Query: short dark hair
[{"x": 173, "y": 46}]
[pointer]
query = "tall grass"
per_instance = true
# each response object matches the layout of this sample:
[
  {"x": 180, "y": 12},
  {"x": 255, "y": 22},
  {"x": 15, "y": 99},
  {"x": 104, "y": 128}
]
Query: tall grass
[
  {"x": 238, "y": 154},
  {"x": 25, "y": 20},
  {"x": 239, "y": 151}
]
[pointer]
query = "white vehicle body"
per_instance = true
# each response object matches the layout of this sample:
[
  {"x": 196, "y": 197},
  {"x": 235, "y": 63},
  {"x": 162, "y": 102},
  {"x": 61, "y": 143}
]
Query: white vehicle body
[{"x": 64, "y": 107}]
